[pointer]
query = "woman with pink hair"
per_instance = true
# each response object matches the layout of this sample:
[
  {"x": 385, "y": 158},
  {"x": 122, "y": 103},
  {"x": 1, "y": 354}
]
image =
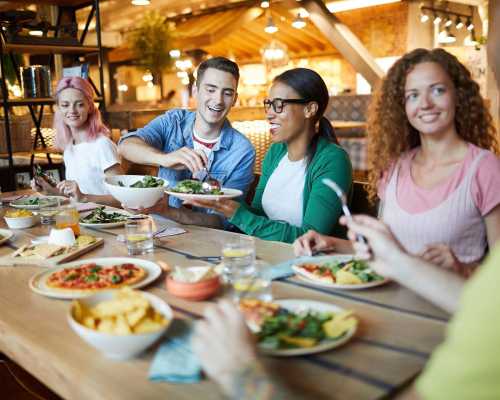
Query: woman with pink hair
[{"x": 89, "y": 154}]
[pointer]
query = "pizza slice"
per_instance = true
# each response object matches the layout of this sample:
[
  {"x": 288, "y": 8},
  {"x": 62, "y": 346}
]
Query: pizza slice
[{"x": 315, "y": 272}]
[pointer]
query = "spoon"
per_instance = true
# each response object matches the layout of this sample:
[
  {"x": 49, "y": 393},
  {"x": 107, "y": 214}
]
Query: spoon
[{"x": 343, "y": 199}]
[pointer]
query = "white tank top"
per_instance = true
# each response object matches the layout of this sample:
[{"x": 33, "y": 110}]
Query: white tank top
[{"x": 455, "y": 222}]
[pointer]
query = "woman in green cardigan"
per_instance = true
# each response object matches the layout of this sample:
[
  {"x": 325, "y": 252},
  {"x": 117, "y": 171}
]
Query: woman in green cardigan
[{"x": 290, "y": 198}]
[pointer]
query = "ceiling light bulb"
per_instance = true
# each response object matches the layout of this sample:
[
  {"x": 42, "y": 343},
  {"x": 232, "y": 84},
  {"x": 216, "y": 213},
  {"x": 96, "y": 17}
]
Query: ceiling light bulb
[
  {"x": 470, "y": 25},
  {"x": 446, "y": 37},
  {"x": 424, "y": 18},
  {"x": 437, "y": 19},
  {"x": 174, "y": 53},
  {"x": 264, "y": 4},
  {"x": 459, "y": 23},
  {"x": 36, "y": 32},
  {"x": 470, "y": 40},
  {"x": 448, "y": 22},
  {"x": 141, "y": 2},
  {"x": 298, "y": 23},
  {"x": 270, "y": 27}
]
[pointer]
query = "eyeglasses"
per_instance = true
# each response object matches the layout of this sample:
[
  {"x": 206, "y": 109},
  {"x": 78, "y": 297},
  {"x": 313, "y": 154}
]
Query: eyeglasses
[{"x": 278, "y": 103}]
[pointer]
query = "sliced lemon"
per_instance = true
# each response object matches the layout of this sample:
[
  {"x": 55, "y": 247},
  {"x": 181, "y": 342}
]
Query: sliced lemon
[
  {"x": 137, "y": 238},
  {"x": 234, "y": 253}
]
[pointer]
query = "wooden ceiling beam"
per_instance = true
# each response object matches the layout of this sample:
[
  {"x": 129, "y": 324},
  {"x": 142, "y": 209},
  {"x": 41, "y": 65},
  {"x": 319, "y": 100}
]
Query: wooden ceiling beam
[
  {"x": 294, "y": 56},
  {"x": 342, "y": 38},
  {"x": 190, "y": 43},
  {"x": 247, "y": 36}
]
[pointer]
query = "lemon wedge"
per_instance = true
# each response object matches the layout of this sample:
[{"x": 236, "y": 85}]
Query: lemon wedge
[
  {"x": 137, "y": 238},
  {"x": 234, "y": 253}
]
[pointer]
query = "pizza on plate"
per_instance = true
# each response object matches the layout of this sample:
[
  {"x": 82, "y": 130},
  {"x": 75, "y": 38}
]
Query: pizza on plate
[
  {"x": 353, "y": 272},
  {"x": 91, "y": 277}
]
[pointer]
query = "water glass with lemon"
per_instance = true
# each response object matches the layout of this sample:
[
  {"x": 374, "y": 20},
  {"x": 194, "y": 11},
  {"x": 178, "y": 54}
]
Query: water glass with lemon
[
  {"x": 139, "y": 234},
  {"x": 237, "y": 253},
  {"x": 251, "y": 283}
]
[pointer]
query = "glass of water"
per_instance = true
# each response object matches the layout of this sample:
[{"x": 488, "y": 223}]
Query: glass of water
[
  {"x": 250, "y": 282},
  {"x": 237, "y": 253},
  {"x": 49, "y": 211},
  {"x": 139, "y": 234}
]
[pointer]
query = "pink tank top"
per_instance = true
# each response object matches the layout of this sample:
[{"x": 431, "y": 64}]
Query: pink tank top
[{"x": 455, "y": 222}]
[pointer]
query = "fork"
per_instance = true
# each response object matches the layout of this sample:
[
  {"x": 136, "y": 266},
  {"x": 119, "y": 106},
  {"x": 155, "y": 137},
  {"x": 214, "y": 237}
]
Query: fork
[
  {"x": 210, "y": 183},
  {"x": 343, "y": 199}
]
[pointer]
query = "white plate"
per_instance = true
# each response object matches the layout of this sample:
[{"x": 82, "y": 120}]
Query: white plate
[
  {"x": 303, "y": 276},
  {"x": 37, "y": 282},
  {"x": 228, "y": 194},
  {"x": 309, "y": 305},
  {"x": 108, "y": 224},
  {"x": 6, "y": 235},
  {"x": 18, "y": 203}
]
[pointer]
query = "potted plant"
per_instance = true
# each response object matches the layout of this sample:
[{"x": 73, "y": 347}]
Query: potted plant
[{"x": 150, "y": 43}]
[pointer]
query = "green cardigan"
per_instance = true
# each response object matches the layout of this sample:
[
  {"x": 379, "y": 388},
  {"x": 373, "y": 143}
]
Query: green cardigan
[{"x": 321, "y": 209}]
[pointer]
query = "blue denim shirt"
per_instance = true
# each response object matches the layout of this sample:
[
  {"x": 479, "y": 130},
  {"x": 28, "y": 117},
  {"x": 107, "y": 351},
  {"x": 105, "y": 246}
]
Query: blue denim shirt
[{"x": 231, "y": 161}]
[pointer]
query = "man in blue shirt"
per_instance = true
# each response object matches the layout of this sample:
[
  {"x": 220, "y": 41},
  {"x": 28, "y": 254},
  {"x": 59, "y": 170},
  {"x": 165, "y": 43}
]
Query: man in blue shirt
[{"x": 186, "y": 144}]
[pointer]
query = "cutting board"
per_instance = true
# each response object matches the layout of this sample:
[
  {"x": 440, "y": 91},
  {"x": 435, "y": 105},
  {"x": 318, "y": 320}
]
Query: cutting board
[{"x": 10, "y": 260}]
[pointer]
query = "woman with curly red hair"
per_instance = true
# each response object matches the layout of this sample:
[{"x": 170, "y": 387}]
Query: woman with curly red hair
[{"x": 431, "y": 143}]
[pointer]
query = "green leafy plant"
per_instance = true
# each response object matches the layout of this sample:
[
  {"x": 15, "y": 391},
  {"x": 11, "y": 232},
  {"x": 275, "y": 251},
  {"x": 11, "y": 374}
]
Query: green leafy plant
[{"x": 150, "y": 43}]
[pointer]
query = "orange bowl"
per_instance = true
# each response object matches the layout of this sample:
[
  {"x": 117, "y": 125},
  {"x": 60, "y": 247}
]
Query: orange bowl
[{"x": 197, "y": 291}]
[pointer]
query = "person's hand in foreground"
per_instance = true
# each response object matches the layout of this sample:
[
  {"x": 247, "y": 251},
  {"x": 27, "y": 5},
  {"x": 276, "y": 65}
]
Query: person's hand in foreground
[
  {"x": 224, "y": 206},
  {"x": 386, "y": 256},
  {"x": 383, "y": 250},
  {"x": 224, "y": 344}
]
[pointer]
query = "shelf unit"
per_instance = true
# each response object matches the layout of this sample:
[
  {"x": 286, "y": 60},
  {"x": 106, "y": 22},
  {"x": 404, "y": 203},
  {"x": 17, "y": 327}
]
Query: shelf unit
[{"x": 36, "y": 106}]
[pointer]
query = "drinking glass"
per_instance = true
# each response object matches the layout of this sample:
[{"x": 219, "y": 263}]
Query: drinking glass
[
  {"x": 68, "y": 217},
  {"x": 48, "y": 212},
  {"x": 250, "y": 282},
  {"x": 139, "y": 234},
  {"x": 237, "y": 253}
]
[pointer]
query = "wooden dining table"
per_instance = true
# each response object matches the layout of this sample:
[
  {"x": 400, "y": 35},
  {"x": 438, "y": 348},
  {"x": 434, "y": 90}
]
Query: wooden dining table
[{"x": 396, "y": 335}]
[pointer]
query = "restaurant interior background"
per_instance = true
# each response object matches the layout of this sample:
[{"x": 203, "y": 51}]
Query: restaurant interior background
[{"x": 141, "y": 56}]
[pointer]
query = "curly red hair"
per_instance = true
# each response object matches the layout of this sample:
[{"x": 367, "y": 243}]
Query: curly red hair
[{"x": 389, "y": 132}]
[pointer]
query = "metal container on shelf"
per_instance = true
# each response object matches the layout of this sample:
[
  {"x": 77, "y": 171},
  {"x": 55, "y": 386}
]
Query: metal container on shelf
[{"x": 35, "y": 81}]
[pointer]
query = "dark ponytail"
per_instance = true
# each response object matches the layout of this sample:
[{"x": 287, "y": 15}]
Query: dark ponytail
[
  {"x": 326, "y": 130},
  {"x": 310, "y": 86}
]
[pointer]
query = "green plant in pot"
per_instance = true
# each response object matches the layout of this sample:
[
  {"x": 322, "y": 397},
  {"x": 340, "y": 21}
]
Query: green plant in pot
[{"x": 150, "y": 43}]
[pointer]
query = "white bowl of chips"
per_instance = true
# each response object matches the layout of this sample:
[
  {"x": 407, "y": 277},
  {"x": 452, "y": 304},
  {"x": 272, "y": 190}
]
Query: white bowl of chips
[
  {"x": 120, "y": 323},
  {"x": 119, "y": 186},
  {"x": 20, "y": 219}
]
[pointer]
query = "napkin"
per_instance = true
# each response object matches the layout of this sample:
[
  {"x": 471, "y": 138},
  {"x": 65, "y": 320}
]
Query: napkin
[
  {"x": 175, "y": 361},
  {"x": 282, "y": 270}
]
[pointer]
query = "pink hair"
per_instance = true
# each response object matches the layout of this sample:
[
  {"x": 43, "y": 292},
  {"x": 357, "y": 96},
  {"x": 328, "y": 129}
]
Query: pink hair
[{"x": 95, "y": 126}]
